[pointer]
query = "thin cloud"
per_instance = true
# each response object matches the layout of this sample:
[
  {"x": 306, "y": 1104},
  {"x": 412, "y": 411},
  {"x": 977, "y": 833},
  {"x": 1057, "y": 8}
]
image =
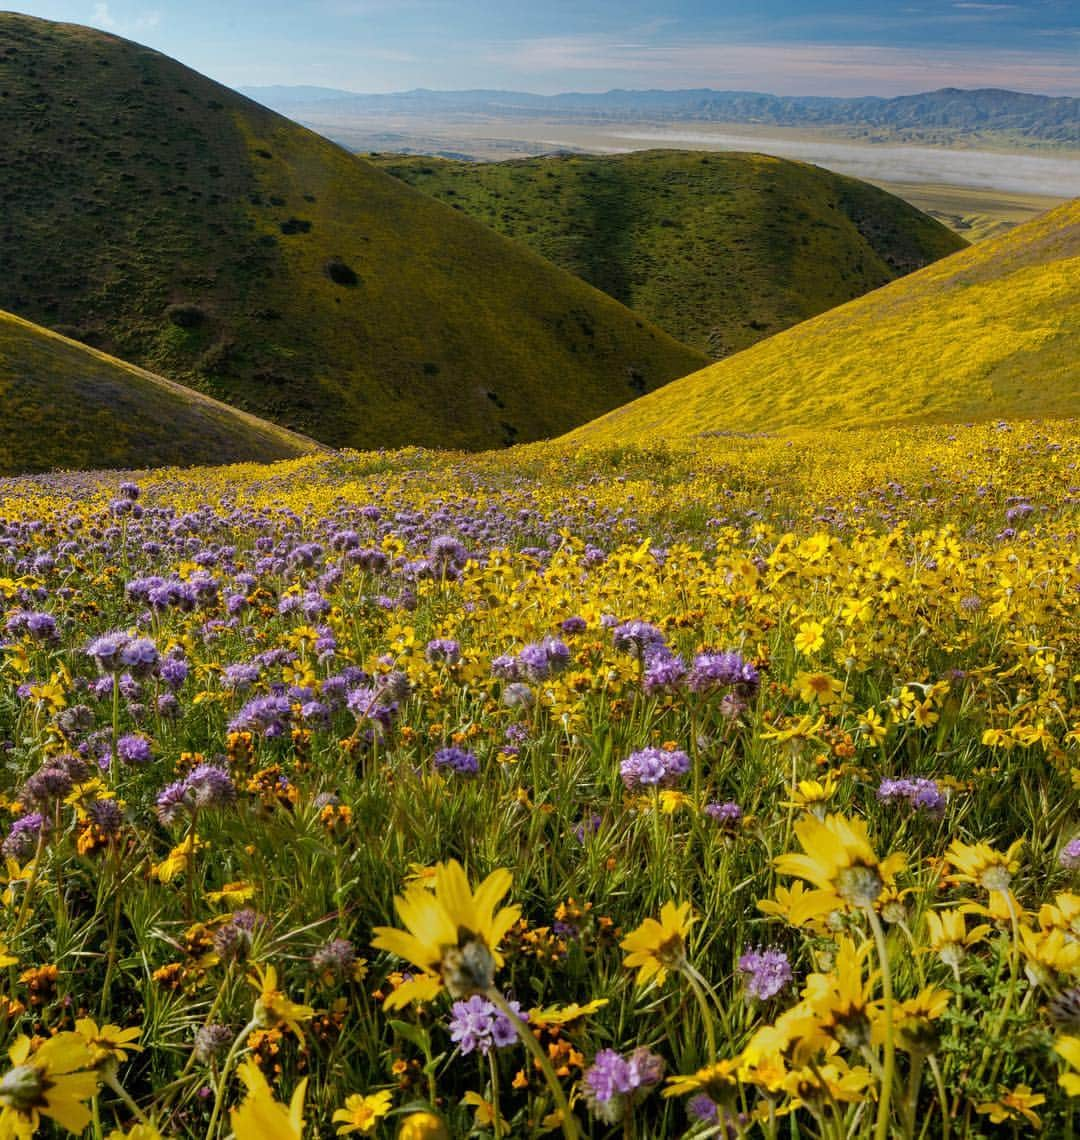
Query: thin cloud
[{"x": 142, "y": 22}]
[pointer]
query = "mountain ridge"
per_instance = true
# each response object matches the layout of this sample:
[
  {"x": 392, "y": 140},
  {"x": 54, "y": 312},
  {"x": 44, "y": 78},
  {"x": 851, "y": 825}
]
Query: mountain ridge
[
  {"x": 67, "y": 405},
  {"x": 1044, "y": 118}
]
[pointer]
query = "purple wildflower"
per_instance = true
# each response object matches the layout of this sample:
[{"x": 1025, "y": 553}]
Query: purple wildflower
[
  {"x": 664, "y": 672},
  {"x": 654, "y": 767},
  {"x": 443, "y": 650},
  {"x": 107, "y": 649},
  {"x": 1070, "y": 854},
  {"x": 724, "y": 669},
  {"x": 22, "y": 839},
  {"x": 265, "y": 715},
  {"x": 919, "y": 793},
  {"x": 458, "y": 760},
  {"x": 765, "y": 972},
  {"x": 703, "y": 1108},
  {"x": 134, "y": 749},
  {"x": 726, "y": 814},
  {"x": 334, "y": 958},
  {"x": 140, "y": 657},
  {"x": 638, "y": 637}
]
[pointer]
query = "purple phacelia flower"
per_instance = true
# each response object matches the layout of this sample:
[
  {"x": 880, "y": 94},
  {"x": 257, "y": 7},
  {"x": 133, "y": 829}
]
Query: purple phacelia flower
[
  {"x": 134, "y": 749},
  {"x": 654, "y": 767},
  {"x": 765, "y": 972},
  {"x": 443, "y": 651},
  {"x": 1070, "y": 854},
  {"x": 457, "y": 760}
]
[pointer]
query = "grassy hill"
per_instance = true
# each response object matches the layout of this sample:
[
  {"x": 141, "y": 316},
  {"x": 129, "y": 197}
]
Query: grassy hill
[
  {"x": 170, "y": 221},
  {"x": 721, "y": 250},
  {"x": 991, "y": 331},
  {"x": 70, "y": 406}
]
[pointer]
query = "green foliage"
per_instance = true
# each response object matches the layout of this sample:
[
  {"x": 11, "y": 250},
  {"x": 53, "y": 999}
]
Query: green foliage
[
  {"x": 721, "y": 250},
  {"x": 169, "y": 189}
]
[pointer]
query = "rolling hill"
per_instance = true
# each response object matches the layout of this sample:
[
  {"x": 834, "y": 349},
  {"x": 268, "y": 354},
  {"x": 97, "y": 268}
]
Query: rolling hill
[
  {"x": 176, "y": 224},
  {"x": 70, "y": 406},
  {"x": 991, "y": 331},
  {"x": 721, "y": 249}
]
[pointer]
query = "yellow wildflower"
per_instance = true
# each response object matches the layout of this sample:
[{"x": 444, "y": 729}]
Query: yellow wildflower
[
  {"x": 451, "y": 933},
  {"x": 422, "y": 1126},
  {"x": 981, "y": 865},
  {"x": 810, "y": 638},
  {"x": 107, "y": 1042},
  {"x": 273, "y": 1008},
  {"x": 1018, "y": 1103},
  {"x": 362, "y": 1113},
  {"x": 260, "y": 1117},
  {"x": 839, "y": 861},
  {"x": 54, "y": 1081},
  {"x": 655, "y": 947},
  {"x": 1069, "y": 1049}
]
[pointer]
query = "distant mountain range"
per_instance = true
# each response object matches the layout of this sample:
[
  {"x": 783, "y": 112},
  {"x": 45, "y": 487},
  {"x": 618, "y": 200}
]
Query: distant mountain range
[{"x": 1037, "y": 117}]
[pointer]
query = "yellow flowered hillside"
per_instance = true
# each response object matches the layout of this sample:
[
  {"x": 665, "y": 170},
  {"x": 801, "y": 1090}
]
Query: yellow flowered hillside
[
  {"x": 66, "y": 405},
  {"x": 991, "y": 331}
]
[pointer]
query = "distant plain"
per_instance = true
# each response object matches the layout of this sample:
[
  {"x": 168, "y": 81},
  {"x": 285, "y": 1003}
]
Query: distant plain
[{"x": 978, "y": 192}]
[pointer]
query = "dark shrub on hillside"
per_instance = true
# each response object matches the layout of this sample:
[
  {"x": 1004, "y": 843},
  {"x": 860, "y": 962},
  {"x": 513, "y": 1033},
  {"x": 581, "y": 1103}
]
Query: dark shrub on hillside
[
  {"x": 296, "y": 226},
  {"x": 185, "y": 315},
  {"x": 340, "y": 273}
]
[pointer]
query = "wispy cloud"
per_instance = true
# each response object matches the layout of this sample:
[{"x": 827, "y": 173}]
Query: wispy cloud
[
  {"x": 783, "y": 68},
  {"x": 144, "y": 21}
]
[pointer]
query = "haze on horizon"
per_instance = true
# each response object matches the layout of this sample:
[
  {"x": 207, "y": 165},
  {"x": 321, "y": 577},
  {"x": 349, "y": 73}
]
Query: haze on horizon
[{"x": 803, "y": 47}]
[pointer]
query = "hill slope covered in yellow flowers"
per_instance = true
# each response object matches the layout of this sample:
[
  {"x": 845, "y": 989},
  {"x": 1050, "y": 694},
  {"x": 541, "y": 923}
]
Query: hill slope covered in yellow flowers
[
  {"x": 70, "y": 406},
  {"x": 991, "y": 331}
]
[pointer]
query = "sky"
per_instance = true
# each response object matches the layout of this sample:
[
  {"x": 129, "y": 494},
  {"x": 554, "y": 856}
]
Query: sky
[{"x": 797, "y": 47}]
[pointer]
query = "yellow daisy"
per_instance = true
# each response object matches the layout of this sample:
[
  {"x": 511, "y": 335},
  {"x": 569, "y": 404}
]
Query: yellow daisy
[
  {"x": 107, "y": 1042},
  {"x": 839, "y": 860},
  {"x": 451, "y": 934},
  {"x": 362, "y": 1113},
  {"x": 656, "y": 947},
  {"x": 273, "y": 1008},
  {"x": 54, "y": 1081}
]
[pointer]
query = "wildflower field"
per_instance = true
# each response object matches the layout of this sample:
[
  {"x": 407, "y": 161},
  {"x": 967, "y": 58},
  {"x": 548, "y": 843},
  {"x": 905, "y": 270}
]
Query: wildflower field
[{"x": 718, "y": 790}]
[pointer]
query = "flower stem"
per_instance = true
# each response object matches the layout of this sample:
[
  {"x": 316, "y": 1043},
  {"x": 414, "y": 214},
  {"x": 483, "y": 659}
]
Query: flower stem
[
  {"x": 496, "y": 1115},
  {"x": 109, "y": 1077},
  {"x": 566, "y": 1118},
  {"x": 690, "y": 974},
  {"x": 24, "y": 910},
  {"x": 881, "y": 1127},
  {"x": 219, "y": 1099}
]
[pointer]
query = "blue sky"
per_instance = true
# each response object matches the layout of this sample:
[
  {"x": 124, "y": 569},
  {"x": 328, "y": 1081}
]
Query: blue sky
[{"x": 831, "y": 47}]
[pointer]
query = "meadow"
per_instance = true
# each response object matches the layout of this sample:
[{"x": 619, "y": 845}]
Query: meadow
[{"x": 719, "y": 789}]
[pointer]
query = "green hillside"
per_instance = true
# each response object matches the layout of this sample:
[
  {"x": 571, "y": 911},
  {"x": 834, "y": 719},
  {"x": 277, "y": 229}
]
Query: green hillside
[
  {"x": 991, "y": 331},
  {"x": 721, "y": 250},
  {"x": 168, "y": 220},
  {"x": 69, "y": 406}
]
